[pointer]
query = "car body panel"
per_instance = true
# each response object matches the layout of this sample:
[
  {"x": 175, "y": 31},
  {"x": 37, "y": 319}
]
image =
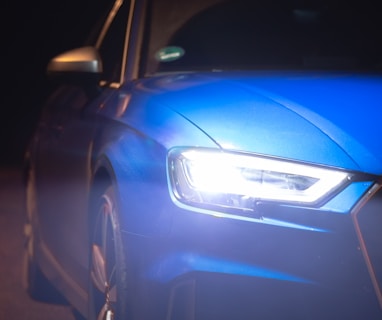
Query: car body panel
[
  {"x": 257, "y": 265},
  {"x": 142, "y": 123}
]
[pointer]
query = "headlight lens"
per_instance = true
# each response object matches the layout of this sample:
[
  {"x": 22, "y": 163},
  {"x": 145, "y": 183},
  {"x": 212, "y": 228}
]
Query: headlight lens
[{"x": 209, "y": 177}]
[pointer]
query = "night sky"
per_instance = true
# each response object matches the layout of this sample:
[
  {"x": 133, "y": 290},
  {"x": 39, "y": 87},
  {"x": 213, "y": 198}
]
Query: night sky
[{"x": 37, "y": 31}]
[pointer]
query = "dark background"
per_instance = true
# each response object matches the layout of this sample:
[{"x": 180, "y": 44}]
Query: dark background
[{"x": 32, "y": 32}]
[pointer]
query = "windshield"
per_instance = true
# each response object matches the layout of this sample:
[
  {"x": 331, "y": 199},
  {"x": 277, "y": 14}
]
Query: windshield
[{"x": 265, "y": 34}]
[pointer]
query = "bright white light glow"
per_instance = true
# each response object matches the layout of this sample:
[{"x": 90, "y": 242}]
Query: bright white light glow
[{"x": 199, "y": 174}]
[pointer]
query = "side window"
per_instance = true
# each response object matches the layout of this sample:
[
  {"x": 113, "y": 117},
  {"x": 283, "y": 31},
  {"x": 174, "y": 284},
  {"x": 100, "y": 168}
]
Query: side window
[{"x": 112, "y": 45}]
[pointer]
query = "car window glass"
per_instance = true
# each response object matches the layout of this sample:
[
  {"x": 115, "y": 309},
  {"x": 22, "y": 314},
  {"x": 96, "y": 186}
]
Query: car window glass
[
  {"x": 111, "y": 48},
  {"x": 265, "y": 34}
]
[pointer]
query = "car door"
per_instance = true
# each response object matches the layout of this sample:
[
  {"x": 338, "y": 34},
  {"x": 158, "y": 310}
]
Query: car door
[{"x": 66, "y": 134}]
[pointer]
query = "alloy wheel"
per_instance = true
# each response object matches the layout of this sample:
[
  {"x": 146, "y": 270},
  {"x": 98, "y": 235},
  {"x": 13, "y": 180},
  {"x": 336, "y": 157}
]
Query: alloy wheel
[{"x": 103, "y": 270}]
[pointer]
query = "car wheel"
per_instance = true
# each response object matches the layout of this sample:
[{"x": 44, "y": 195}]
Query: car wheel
[{"x": 108, "y": 271}]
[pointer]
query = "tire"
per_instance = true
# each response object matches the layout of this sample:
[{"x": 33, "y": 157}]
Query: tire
[
  {"x": 108, "y": 268},
  {"x": 37, "y": 285},
  {"x": 34, "y": 279}
]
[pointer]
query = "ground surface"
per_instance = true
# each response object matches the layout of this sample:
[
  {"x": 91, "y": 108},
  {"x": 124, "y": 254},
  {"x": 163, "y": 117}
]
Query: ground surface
[{"x": 14, "y": 301}]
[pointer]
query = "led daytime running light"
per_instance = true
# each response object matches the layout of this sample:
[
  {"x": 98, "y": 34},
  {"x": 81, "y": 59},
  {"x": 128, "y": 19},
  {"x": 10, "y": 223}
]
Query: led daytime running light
[{"x": 205, "y": 176}]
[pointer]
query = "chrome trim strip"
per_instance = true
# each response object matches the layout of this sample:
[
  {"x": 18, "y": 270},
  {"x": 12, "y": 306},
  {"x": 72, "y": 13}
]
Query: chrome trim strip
[
  {"x": 357, "y": 209},
  {"x": 127, "y": 40},
  {"x": 109, "y": 20},
  {"x": 105, "y": 28}
]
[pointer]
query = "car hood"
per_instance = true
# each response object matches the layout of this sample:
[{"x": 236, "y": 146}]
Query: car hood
[{"x": 326, "y": 118}]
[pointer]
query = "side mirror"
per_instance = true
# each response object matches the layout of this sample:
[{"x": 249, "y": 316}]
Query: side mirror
[
  {"x": 85, "y": 60},
  {"x": 82, "y": 66},
  {"x": 81, "y": 60}
]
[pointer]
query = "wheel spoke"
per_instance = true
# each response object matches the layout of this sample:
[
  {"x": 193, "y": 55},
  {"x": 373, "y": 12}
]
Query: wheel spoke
[
  {"x": 98, "y": 272},
  {"x": 104, "y": 228},
  {"x": 104, "y": 264},
  {"x": 102, "y": 313},
  {"x": 113, "y": 294}
]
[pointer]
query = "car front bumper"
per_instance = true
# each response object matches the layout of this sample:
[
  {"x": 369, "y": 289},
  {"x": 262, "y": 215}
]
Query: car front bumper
[{"x": 314, "y": 264}]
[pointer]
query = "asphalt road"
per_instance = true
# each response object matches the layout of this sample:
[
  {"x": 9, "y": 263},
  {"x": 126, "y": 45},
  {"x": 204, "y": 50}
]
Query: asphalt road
[{"x": 15, "y": 304}]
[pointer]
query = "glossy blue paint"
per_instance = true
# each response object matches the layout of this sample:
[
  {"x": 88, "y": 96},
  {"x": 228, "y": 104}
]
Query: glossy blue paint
[
  {"x": 325, "y": 118},
  {"x": 347, "y": 199},
  {"x": 175, "y": 265},
  {"x": 345, "y": 106}
]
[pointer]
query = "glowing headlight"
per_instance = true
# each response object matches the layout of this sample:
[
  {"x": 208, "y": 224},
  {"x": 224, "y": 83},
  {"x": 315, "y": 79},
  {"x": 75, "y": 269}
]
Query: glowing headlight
[{"x": 210, "y": 177}]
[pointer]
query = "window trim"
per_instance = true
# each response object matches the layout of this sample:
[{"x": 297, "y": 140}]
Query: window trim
[
  {"x": 116, "y": 7},
  {"x": 110, "y": 18}
]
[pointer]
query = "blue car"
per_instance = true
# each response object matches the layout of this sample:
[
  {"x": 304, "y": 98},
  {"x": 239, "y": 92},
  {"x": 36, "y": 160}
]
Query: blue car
[{"x": 208, "y": 159}]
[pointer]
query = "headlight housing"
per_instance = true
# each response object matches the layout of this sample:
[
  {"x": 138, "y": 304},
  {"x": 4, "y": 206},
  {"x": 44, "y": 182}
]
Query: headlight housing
[{"x": 217, "y": 179}]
